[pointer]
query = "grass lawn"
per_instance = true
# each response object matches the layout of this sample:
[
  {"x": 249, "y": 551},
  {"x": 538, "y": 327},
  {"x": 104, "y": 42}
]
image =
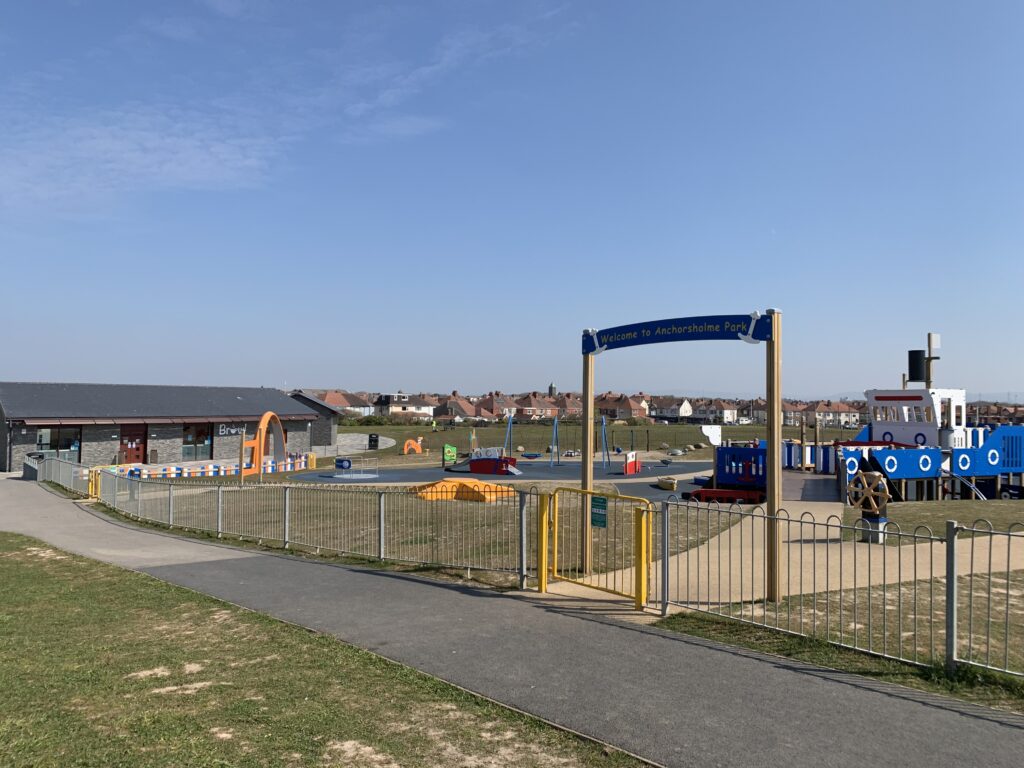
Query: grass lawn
[
  {"x": 105, "y": 667},
  {"x": 1003, "y": 514},
  {"x": 974, "y": 685}
]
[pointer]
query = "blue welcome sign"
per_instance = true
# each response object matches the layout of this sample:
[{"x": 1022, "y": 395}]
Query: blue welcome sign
[{"x": 752, "y": 328}]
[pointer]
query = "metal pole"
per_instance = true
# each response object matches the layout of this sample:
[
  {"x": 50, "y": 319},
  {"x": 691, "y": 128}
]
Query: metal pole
[
  {"x": 287, "y": 514},
  {"x": 774, "y": 458},
  {"x": 817, "y": 442},
  {"x": 640, "y": 553},
  {"x": 241, "y": 458},
  {"x": 170, "y": 505},
  {"x": 220, "y": 510},
  {"x": 664, "y": 558},
  {"x": 951, "y": 597},
  {"x": 380, "y": 525},
  {"x": 928, "y": 364},
  {"x": 522, "y": 539}
]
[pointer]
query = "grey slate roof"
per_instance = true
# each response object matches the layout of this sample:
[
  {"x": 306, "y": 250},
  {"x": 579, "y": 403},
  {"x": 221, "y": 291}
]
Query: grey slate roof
[
  {"x": 140, "y": 402},
  {"x": 316, "y": 401}
]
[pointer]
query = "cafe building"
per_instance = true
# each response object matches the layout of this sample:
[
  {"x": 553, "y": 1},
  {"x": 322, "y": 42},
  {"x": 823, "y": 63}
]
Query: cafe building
[{"x": 99, "y": 424}]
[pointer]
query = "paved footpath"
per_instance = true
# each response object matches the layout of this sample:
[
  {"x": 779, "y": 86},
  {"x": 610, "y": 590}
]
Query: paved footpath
[{"x": 671, "y": 699}]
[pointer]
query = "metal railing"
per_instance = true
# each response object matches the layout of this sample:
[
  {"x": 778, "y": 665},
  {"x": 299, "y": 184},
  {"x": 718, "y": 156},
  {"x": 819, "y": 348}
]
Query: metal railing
[
  {"x": 911, "y": 595},
  {"x": 442, "y": 530},
  {"x": 69, "y": 475},
  {"x": 989, "y": 624},
  {"x": 881, "y": 590}
]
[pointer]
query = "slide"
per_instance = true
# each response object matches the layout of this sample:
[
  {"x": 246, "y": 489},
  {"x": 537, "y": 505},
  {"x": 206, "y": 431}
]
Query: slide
[{"x": 981, "y": 496}]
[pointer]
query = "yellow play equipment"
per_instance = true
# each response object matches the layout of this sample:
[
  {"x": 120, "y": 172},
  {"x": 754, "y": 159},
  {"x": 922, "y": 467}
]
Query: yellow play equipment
[{"x": 463, "y": 490}]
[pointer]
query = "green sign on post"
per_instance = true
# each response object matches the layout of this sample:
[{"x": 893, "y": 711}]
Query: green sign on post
[
  {"x": 598, "y": 512},
  {"x": 451, "y": 453}
]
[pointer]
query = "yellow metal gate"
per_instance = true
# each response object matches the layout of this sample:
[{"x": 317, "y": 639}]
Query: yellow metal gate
[{"x": 600, "y": 540}]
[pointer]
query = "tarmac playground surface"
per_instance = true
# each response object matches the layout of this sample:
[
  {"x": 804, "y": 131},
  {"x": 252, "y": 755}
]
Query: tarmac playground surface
[{"x": 643, "y": 484}]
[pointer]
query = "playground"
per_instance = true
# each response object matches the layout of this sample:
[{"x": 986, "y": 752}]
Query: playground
[
  {"x": 755, "y": 529},
  {"x": 643, "y": 483}
]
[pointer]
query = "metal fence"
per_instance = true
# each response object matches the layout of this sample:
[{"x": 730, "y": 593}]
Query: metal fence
[
  {"x": 74, "y": 477},
  {"x": 883, "y": 591},
  {"x": 955, "y": 597},
  {"x": 444, "y": 530}
]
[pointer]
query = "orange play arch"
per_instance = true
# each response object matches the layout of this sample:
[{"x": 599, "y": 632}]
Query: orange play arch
[
  {"x": 255, "y": 449},
  {"x": 412, "y": 446}
]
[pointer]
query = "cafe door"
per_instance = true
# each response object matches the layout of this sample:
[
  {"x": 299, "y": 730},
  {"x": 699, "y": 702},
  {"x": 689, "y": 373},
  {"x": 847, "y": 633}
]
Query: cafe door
[{"x": 133, "y": 443}]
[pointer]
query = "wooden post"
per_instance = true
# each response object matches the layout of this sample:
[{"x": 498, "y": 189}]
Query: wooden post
[
  {"x": 587, "y": 470},
  {"x": 587, "y": 476},
  {"x": 774, "y": 457}
]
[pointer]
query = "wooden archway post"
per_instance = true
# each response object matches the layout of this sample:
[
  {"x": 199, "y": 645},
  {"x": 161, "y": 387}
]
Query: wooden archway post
[
  {"x": 587, "y": 474},
  {"x": 773, "y": 394}
]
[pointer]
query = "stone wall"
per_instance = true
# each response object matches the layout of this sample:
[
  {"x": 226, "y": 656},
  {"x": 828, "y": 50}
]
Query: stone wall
[
  {"x": 19, "y": 445},
  {"x": 227, "y": 438},
  {"x": 324, "y": 430},
  {"x": 166, "y": 440},
  {"x": 100, "y": 443},
  {"x": 298, "y": 434}
]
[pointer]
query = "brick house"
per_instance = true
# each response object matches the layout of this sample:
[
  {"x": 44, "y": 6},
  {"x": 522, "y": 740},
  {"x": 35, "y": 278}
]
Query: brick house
[
  {"x": 501, "y": 405},
  {"x": 533, "y": 407}
]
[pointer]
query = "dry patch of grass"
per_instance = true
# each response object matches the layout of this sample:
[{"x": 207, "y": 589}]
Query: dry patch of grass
[
  {"x": 104, "y": 667},
  {"x": 1002, "y": 514}
]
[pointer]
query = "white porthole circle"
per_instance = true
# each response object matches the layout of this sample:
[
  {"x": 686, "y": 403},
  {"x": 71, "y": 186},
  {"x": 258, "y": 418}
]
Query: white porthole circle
[
  {"x": 993, "y": 457},
  {"x": 925, "y": 463},
  {"x": 964, "y": 462},
  {"x": 890, "y": 464}
]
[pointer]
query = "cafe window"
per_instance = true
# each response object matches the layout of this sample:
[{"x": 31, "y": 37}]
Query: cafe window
[
  {"x": 60, "y": 442},
  {"x": 197, "y": 442}
]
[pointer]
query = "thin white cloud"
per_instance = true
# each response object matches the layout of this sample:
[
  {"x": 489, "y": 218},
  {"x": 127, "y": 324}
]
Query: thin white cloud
[
  {"x": 115, "y": 151},
  {"x": 227, "y": 140},
  {"x": 455, "y": 50}
]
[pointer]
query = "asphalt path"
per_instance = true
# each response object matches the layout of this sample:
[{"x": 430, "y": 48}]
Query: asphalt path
[
  {"x": 674, "y": 700},
  {"x": 644, "y": 484}
]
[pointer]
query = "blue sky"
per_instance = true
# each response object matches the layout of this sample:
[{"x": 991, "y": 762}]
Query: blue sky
[{"x": 435, "y": 196}]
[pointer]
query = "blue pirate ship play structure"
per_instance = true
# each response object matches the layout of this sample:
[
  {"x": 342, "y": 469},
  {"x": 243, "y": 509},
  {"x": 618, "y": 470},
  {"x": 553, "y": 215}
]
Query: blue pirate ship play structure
[
  {"x": 918, "y": 445},
  {"x": 922, "y": 446}
]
